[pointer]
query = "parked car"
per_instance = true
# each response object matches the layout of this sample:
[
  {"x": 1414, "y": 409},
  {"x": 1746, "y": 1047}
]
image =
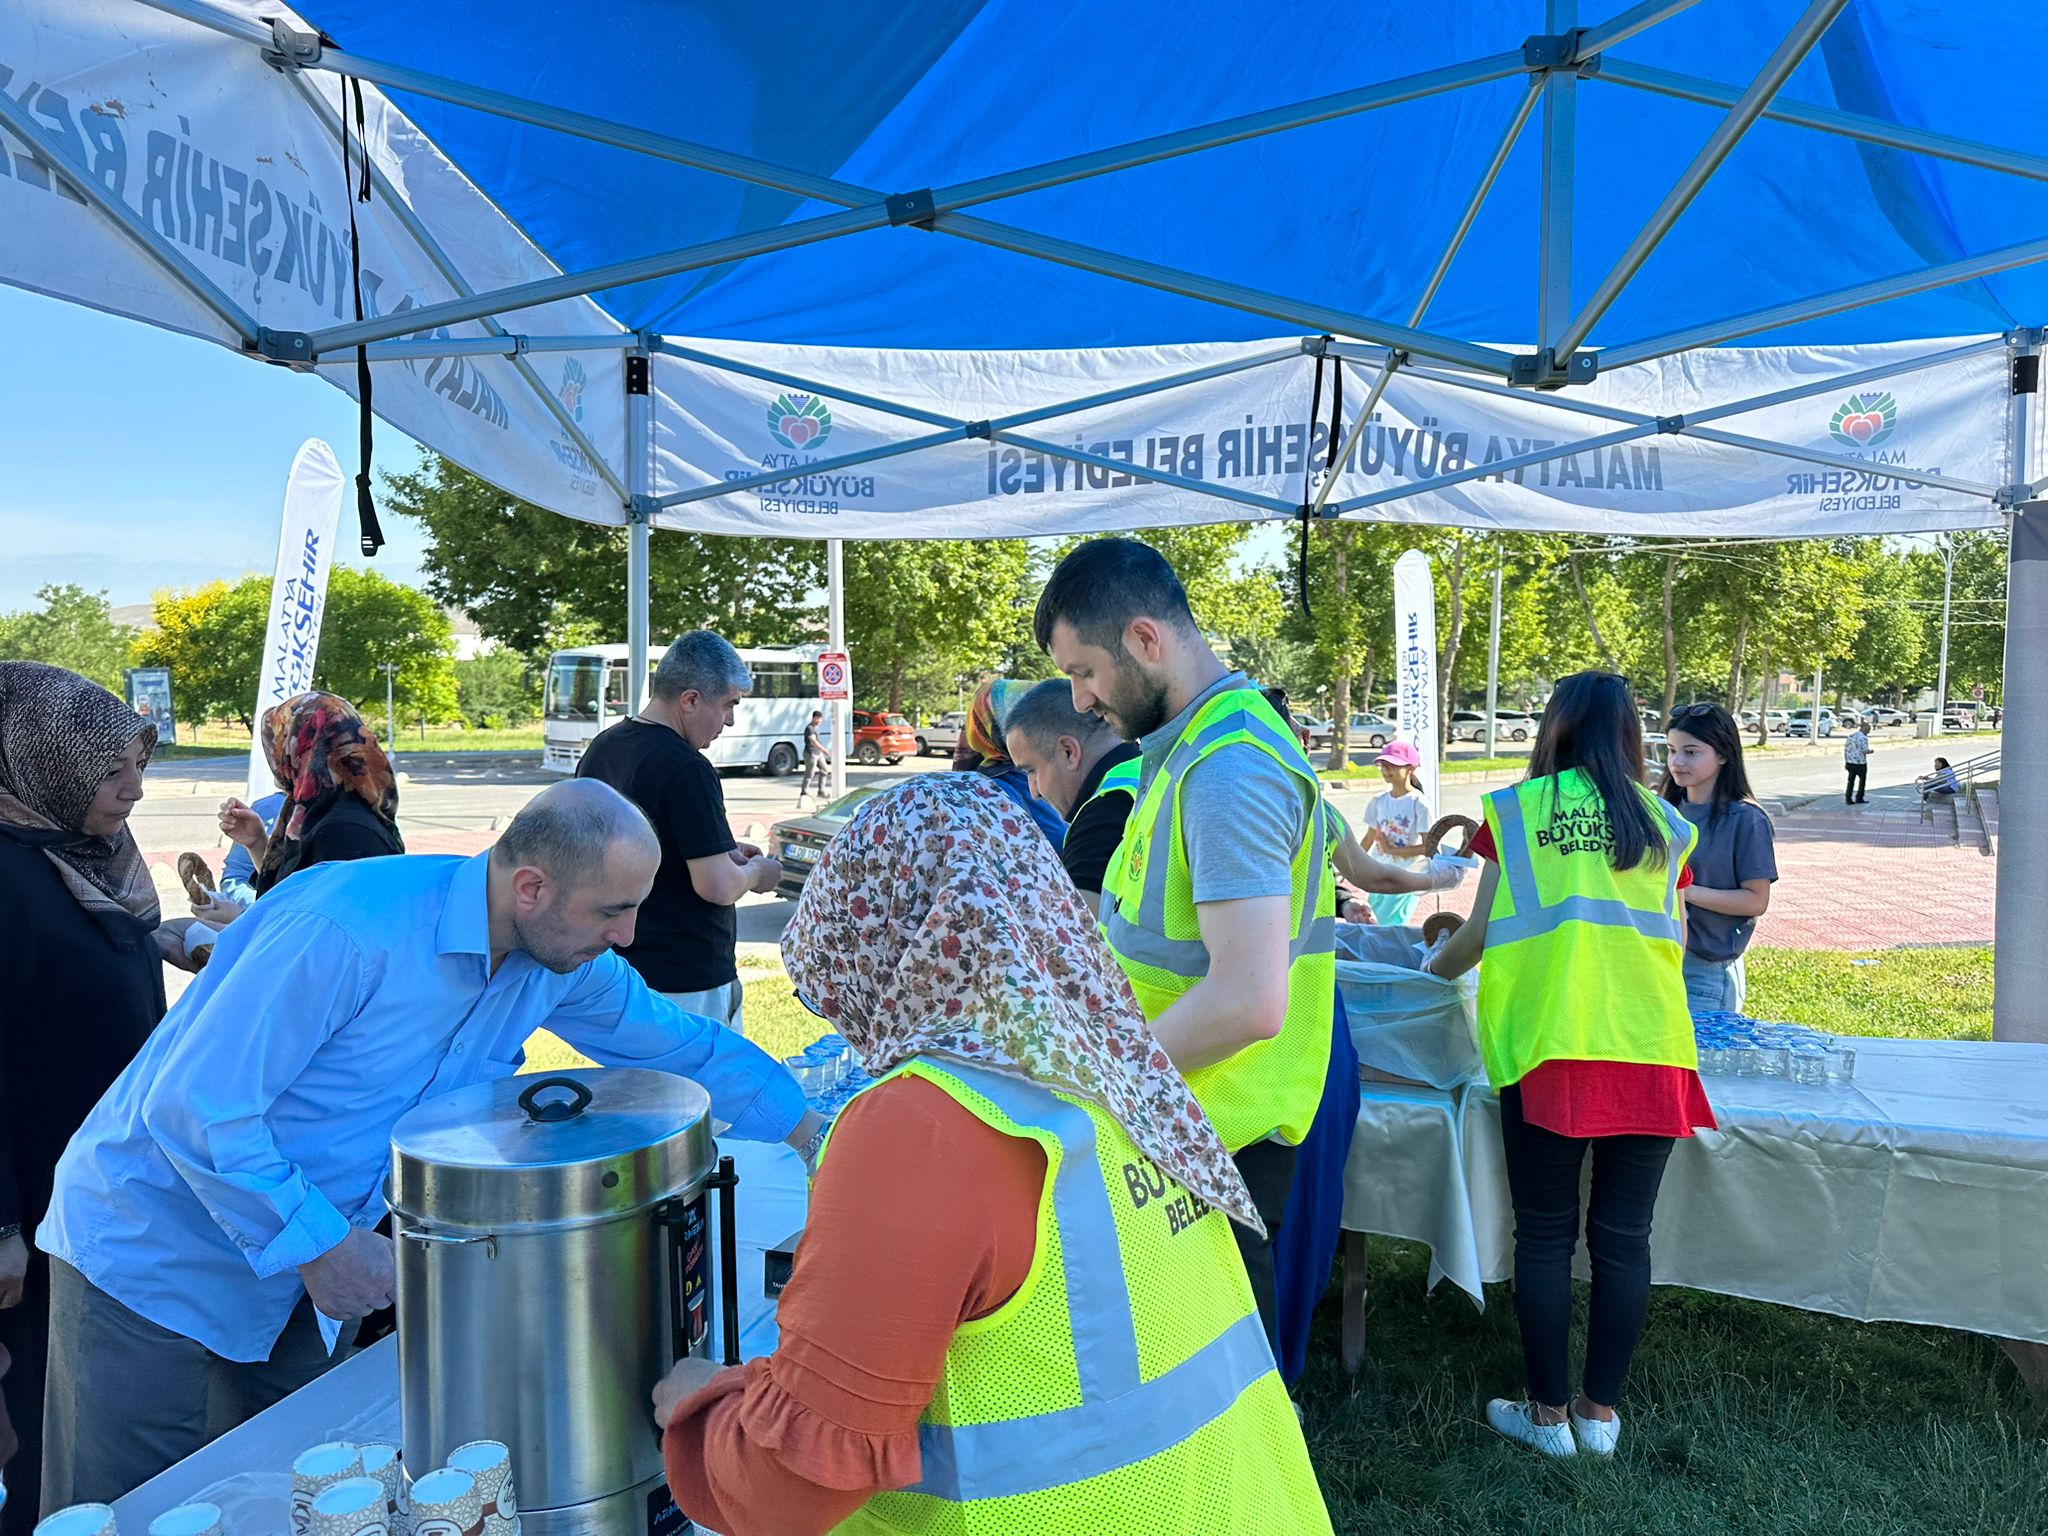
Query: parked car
[
  {"x": 1373, "y": 731},
  {"x": 1885, "y": 716},
  {"x": 799, "y": 841},
  {"x": 878, "y": 734},
  {"x": 1748, "y": 719},
  {"x": 1780, "y": 721},
  {"x": 1317, "y": 733},
  {"x": 1656, "y": 757},
  {"x": 942, "y": 736},
  {"x": 1509, "y": 725},
  {"x": 1801, "y": 724}
]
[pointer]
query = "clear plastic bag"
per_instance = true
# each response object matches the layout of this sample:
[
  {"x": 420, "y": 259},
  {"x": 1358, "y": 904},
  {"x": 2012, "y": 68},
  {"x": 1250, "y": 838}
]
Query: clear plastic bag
[{"x": 1403, "y": 1022}]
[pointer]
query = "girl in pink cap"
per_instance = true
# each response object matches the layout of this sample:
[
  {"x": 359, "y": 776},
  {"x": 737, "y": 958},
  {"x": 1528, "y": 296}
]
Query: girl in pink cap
[{"x": 1394, "y": 826}]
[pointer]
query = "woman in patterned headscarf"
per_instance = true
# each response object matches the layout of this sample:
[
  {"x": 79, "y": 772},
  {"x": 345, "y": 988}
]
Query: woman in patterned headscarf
[
  {"x": 982, "y": 750},
  {"x": 1030, "y": 1172},
  {"x": 82, "y": 948},
  {"x": 341, "y": 797}
]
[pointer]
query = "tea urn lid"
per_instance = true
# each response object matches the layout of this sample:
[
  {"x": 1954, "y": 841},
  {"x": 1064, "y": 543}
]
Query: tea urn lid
[{"x": 547, "y": 1151}]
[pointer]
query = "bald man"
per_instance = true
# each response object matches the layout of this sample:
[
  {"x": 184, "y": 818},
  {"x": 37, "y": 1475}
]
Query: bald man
[{"x": 213, "y": 1218}]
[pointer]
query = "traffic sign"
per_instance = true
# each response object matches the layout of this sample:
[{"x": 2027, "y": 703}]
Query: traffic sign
[{"x": 835, "y": 677}]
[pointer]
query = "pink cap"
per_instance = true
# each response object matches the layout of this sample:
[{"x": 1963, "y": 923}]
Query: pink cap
[{"x": 1401, "y": 754}]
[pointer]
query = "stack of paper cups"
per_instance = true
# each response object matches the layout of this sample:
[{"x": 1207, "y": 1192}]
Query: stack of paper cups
[
  {"x": 80, "y": 1520},
  {"x": 188, "y": 1520},
  {"x": 381, "y": 1462},
  {"x": 490, "y": 1463},
  {"x": 446, "y": 1503},
  {"x": 316, "y": 1471},
  {"x": 352, "y": 1507}
]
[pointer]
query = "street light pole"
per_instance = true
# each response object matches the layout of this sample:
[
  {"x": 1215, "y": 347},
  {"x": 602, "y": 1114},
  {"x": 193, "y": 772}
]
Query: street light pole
[
  {"x": 1493, "y": 658},
  {"x": 390, "y": 671},
  {"x": 1947, "y": 546}
]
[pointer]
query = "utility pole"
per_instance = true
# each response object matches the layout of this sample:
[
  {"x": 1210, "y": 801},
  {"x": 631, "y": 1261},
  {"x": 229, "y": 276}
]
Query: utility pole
[
  {"x": 390, "y": 671},
  {"x": 1493, "y": 656}
]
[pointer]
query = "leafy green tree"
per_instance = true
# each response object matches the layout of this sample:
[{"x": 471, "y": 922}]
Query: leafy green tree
[
  {"x": 1976, "y": 647},
  {"x": 497, "y": 689},
  {"x": 72, "y": 629},
  {"x": 211, "y": 637},
  {"x": 527, "y": 574},
  {"x": 924, "y": 617}
]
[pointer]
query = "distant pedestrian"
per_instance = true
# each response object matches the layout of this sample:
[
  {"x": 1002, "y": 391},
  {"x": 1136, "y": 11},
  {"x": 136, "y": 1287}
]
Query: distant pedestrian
[
  {"x": 1735, "y": 862},
  {"x": 1940, "y": 782},
  {"x": 817, "y": 758},
  {"x": 1856, "y": 758}
]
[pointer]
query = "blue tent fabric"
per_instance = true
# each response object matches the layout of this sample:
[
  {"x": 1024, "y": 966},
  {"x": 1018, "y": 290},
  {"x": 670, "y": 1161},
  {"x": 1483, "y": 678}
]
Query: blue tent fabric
[
  {"x": 1307, "y": 1240},
  {"x": 897, "y": 96}
]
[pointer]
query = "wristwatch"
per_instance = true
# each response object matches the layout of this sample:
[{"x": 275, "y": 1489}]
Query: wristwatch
[{"x": 808, "y": 1151}]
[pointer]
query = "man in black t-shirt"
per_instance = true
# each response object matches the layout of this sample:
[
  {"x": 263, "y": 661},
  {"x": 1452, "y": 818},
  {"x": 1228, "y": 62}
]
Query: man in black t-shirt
[
  {"x": 685, "y": 946},
  {"x": 1066, "y": 753}
]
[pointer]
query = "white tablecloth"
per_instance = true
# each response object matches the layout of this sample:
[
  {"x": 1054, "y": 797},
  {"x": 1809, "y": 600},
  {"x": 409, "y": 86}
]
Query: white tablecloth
[
  {"x": 1918, "y": 1194},
  {"x": 248, "y": 1471}
]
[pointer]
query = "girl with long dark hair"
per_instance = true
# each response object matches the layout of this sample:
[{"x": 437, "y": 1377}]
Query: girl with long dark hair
[
  {"x": 1735, "y": 862},
  {"x": 1579, "y": 935}
]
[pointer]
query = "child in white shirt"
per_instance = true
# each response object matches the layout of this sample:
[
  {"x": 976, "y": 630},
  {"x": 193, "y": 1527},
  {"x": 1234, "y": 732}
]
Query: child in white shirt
[{"x": 1395, "y": 824}]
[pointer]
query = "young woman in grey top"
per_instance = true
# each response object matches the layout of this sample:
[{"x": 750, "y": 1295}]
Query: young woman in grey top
[{"x": 1734, "y": 864}]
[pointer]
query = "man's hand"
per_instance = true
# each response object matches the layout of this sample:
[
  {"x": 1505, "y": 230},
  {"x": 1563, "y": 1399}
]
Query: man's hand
[
  {"x": 767, "y": 874},
  {"x": 13, "y": 1270},
  {"x": 353, "y": 1278},
  {"x": 744, "y": 854},
  {"x": 242, "y": 825},
  {"x": 689, "y": 1377}
]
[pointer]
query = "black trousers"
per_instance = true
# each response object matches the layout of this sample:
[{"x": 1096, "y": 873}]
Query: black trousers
[
  {"x": 1859, "y": 782},
  {"x": 25, "y": 1332},
  {"x": 1267, "y": 1168},
  {"x": 1543, "y": 1183}
]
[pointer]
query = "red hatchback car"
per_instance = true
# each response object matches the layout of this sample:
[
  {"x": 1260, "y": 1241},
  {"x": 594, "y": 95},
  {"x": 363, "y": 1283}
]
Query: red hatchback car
[{"x": 878, "y": 735}]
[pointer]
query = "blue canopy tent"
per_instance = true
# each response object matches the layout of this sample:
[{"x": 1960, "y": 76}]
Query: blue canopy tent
[{"x": 600, "y": 239}]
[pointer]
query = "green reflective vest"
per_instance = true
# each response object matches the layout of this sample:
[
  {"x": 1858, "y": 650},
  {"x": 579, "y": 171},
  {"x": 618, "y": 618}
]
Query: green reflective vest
[
  {"x": 1583, "y": 961},
  {"x": 1271, "y": 1087},
  {"x": 1127, "y": 1386}
]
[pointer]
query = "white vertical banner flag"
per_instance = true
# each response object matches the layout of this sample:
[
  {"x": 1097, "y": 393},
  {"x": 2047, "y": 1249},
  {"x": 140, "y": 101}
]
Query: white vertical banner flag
[
  {"x": 298, "y": 592},
  {"x": 1415, "y": 664}
]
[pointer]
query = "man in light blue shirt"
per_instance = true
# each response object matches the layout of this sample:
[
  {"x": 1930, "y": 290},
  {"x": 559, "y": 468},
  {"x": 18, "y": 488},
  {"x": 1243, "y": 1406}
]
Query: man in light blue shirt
[{"x": 227, "y": 1185}]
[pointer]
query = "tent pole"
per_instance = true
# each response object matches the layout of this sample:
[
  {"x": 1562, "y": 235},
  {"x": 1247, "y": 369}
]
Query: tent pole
[
  {"x": 1637, "y": 18},
  {"x": 1560, "y": 153},
  {"x": 835, "y": 639},
  {"x": 1816, "y": 19},
  {"x": 1848, "y": 125},
  {"x": 639, "y": 526},
  {"x": 95, "y": 195},
  {"x": 2004, "y": 259},
  {"x": 498, "y": 344},
  {"x": 2020, "y": 962}
]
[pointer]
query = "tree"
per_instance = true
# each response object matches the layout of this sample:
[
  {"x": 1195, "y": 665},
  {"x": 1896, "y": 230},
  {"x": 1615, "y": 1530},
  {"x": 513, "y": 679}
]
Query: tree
[
  {"x": 1976, "y": 647},
  {"x": 72, "y": 629},
  {"x": 527, "y": 574},
  {"x": 497, "y": 689},
  {"x": 212, "y": 640},
  {"x": 924, "y": 616}
]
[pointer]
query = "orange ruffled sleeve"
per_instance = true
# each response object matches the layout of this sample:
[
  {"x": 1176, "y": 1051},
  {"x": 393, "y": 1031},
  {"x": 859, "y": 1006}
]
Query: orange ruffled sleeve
[{"x": 922, "y": 1218}]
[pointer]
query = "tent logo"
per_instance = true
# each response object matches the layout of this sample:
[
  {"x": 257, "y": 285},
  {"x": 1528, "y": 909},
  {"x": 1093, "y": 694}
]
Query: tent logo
[
  {"x": 571, "y": 392},
  {"x": 1864, "y": 421},
  {"x": 799, "y": 422}
]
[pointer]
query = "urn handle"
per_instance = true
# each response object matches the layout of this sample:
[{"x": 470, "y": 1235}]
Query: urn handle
[{"x": 556, "y": 1110}]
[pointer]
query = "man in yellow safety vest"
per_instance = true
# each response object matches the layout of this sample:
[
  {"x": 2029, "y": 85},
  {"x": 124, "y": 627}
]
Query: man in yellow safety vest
[
  {"x": 1217, "y": 903},
  {"x": 1083, "y": 770}
]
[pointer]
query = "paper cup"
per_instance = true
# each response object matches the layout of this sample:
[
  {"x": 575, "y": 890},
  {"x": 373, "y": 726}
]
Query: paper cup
[
  {"x": 446, "y": 1503},
  {"x": 80, "y": 1520},
  {"x": 317, "y": 1470},
  {"x": 382, "y": 1463},
  {"x": 352, "y": 1507},
  {"x": 490, "y": 1463},
  {"x": 188, "y": 1520}
]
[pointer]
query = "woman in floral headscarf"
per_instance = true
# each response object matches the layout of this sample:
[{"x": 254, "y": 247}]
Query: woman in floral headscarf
[
  {"x": 82, "y": 952},
  {"x": 1029, "y": 1172},
  {"x": 982, "y": 750},
  {"x": 341, "y": 797}
]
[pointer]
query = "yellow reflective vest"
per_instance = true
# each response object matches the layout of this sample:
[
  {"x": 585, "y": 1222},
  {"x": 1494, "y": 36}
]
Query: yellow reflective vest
[
  {"x": 1271, "y": 1087},
  {"x": 1127, "y": 1386},
  {"x": 1583, "y": 962}
]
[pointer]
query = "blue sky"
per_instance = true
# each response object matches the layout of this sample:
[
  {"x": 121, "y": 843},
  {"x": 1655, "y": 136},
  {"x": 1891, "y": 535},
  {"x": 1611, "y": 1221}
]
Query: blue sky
[{"x": 133, "y": 459}]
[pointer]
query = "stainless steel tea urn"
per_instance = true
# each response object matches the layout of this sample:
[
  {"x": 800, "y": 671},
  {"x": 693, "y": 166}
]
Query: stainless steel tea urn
[{"x": 555, "y": 1237}]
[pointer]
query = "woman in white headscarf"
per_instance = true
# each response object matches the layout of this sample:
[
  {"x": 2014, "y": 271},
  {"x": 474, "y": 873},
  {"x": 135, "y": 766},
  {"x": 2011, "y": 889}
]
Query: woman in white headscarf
[{"x": 1029, "y": 1183}]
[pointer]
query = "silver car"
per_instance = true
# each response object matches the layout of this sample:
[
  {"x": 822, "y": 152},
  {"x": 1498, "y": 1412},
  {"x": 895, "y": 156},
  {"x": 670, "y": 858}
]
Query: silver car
[{"x": 942, "y": 736}]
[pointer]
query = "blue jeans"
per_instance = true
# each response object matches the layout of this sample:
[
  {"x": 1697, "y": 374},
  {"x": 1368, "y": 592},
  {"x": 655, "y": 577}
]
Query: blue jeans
[{"x": 1715, "y": 986}]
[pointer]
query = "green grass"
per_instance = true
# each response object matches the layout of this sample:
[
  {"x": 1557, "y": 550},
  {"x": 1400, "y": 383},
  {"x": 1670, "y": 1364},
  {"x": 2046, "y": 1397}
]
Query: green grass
[
  {"x": 217, "y": 738},
  {"x": 1741, "y": 1418},
  {"x": 772, "y": 1017},
  {"x": 1941, "y": 993}
]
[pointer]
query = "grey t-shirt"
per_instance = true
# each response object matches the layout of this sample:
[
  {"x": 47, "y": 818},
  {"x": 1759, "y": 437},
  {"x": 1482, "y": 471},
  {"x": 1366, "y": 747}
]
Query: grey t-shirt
[
  {"x": 1734, "y": 846},
  {"x": 1243, "y": 815}
]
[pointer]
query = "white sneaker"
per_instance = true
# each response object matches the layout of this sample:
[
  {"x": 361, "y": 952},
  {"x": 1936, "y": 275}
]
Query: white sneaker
[
  {"x": 1516, "y": 1422},
  {"x": 1596, "y": 1437}
]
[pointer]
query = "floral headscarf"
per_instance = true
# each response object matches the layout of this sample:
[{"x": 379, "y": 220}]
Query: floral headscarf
[
  {"x": 59, "y": 735},
  {"x": 940, "y": 923},
  {"x": 320, "y": 750}
]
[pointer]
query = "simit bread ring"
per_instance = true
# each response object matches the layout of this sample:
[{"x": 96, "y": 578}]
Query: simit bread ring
[
  {"x": 1440, "y": 925},
  {"x": 197, "y": 877},
  {"x": 1432, "y": 840}
]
